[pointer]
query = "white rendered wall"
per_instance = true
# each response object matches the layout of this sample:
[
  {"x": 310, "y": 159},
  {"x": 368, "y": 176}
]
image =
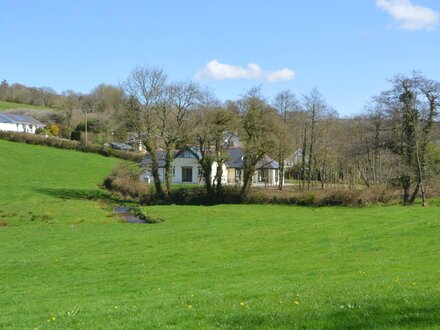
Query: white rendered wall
[{"x": 17, "y": 128}]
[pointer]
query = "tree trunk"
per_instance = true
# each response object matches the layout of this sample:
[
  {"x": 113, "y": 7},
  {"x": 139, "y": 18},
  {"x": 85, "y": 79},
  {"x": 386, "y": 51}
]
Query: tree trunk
[
  {"x": 423, "y": 191},
  {"x": 218, "y": 178},
  {"x": 168, "y": 170},
  {"x": 405, "y": 180},
  {"x": 206, "y": 166},
  {"x": 414, "y": 195},
  {"x": 248, "y": 173},
  {"x": 303, "y": 159},
  {"x": 310, "y": 162},
  {"x": 281, "y": 171},
  {"x": 155, "y": 171}
]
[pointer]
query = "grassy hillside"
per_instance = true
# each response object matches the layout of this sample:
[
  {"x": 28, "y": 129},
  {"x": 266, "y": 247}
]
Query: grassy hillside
[
  {"x": 4, "y": 106},
  {"x": 49, "y": 185},
  {"x": 226, "y": 266}
]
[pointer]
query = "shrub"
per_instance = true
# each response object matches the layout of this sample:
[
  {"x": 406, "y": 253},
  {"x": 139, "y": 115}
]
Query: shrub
[
  {"x": 75, "y": 135},
  {"x": 93, "y": 125},
  {"x": 125, "y": 183},
  {"x": 54, "y": 129}
]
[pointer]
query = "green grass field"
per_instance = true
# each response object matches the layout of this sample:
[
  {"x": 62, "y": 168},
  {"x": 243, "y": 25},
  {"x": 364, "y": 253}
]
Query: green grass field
[
  {"x": 225, "y": 266},
  {"x": 10, "y": 105}
]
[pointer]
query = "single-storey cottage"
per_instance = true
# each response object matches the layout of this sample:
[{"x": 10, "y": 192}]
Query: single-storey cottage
[
  {"x": 186, "y": 169},
  {"x": 19, "y": 123}
]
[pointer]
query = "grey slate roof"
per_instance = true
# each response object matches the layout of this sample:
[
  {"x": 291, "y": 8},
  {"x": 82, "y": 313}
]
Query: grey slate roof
[
  {"x": 10, "y": 118},
  {"x": 160, "y": 154},
  {"x": 121, "y": 146},
  {"x": 236, "y": 160}
]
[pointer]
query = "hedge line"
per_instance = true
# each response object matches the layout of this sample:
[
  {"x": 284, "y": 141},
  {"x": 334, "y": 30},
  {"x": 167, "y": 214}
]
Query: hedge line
[{"x": 68, "y": 144}]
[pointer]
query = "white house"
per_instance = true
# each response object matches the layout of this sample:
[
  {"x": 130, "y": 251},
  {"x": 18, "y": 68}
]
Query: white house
[
  {"x": 267, "y": 172},
  {"x": 186, "y": 168},
  {"x": 18, "y": 123}
]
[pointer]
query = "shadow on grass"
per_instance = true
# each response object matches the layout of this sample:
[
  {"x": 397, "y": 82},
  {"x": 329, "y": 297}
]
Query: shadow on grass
[
  {"x": 388, "y": 315},
  {"x": 80, "y": 194}
]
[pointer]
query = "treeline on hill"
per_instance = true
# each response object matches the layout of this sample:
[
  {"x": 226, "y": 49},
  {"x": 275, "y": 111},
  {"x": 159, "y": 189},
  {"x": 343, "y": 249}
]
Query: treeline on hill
[
  {"x": 68, "y": 117},
  {"x": 395, "y": 143}
]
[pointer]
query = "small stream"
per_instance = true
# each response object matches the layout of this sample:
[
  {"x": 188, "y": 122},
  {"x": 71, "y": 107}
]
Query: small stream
[{"x": 124, "y": 212}]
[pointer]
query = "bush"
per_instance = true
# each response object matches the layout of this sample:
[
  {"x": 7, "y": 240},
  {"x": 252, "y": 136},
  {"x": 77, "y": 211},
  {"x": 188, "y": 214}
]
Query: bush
[
  {"x": 125, "y": 183},
  {"x": 93, "y": 125},
  {"x": 75, "y": 135},
  {"x": 54, "y": 129}
]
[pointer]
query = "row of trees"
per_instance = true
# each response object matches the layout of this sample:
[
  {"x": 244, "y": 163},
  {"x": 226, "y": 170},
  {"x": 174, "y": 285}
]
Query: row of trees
[
  {"x": 393, "y": 142},
  {"x": 103, "y": 105}
]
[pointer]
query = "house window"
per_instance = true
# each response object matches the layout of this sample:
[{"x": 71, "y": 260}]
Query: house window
[
  {"x": 262, "y": 176},
  {"x": 237, "y": 175},
  {"x": 174, "y": 171},
  {"x": 187, "y": 174},
  {"x": 199, "y": 171}
]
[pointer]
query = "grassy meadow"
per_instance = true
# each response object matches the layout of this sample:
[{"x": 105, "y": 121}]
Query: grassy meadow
[
  {"x": 4, "y": 106},
  {"x": 66, "y": 262}
]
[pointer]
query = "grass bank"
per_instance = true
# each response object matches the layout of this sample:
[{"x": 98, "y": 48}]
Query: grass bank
[
  {"x": 11, "y": 105},
  {"x": 223, "y": 266}
]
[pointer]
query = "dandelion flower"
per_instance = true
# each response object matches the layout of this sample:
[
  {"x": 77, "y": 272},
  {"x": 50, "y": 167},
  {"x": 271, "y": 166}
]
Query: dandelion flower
[
  {"x": 53, "y": 318},
  {"x": 190, "y": 306},
  {"x": 242, "y": 303},
  {"x": 296, "y": 302}
]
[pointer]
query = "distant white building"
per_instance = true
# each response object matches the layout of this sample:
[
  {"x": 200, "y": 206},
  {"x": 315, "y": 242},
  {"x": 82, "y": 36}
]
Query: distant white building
[{"x": 19, "y": 123}]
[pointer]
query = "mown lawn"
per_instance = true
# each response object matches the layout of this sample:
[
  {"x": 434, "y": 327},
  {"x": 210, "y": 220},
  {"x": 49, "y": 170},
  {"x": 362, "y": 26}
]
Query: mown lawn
[
  {"x": 225, "y": 266},
  {"x": 11, "y": 105}
]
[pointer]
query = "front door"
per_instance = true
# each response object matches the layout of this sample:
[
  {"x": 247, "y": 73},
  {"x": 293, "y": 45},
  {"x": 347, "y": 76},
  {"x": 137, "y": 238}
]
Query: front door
[{"x": 187, "y": 174}]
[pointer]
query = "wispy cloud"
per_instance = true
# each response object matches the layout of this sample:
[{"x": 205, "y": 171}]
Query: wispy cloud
[
  {"x": 220, "y": 71},
  {"x": 409, "y": 16}
]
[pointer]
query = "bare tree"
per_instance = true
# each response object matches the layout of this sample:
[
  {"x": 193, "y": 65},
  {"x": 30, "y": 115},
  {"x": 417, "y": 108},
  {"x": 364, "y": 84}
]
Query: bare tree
[
  {"x": 258, "y": 127},
  {"x": 145, "y": 89},
  {"x": 316, "y": 109},
  {"x": 212, "y": 123},
  {"x": 411, "y": 107},
  {"x": 173, "y": 115},
  {"x": 286, "y": 103}
]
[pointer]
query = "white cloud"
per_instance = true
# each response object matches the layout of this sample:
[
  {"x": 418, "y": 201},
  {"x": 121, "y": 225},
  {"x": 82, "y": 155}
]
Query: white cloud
[
  {"x": 283, "y": 74},
  {"x": 409, "y": 16},
  {"x": 220, "y": 71}
]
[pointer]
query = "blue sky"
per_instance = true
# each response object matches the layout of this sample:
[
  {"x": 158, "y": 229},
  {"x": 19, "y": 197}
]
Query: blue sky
[{"x": 347, "y": 49}]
